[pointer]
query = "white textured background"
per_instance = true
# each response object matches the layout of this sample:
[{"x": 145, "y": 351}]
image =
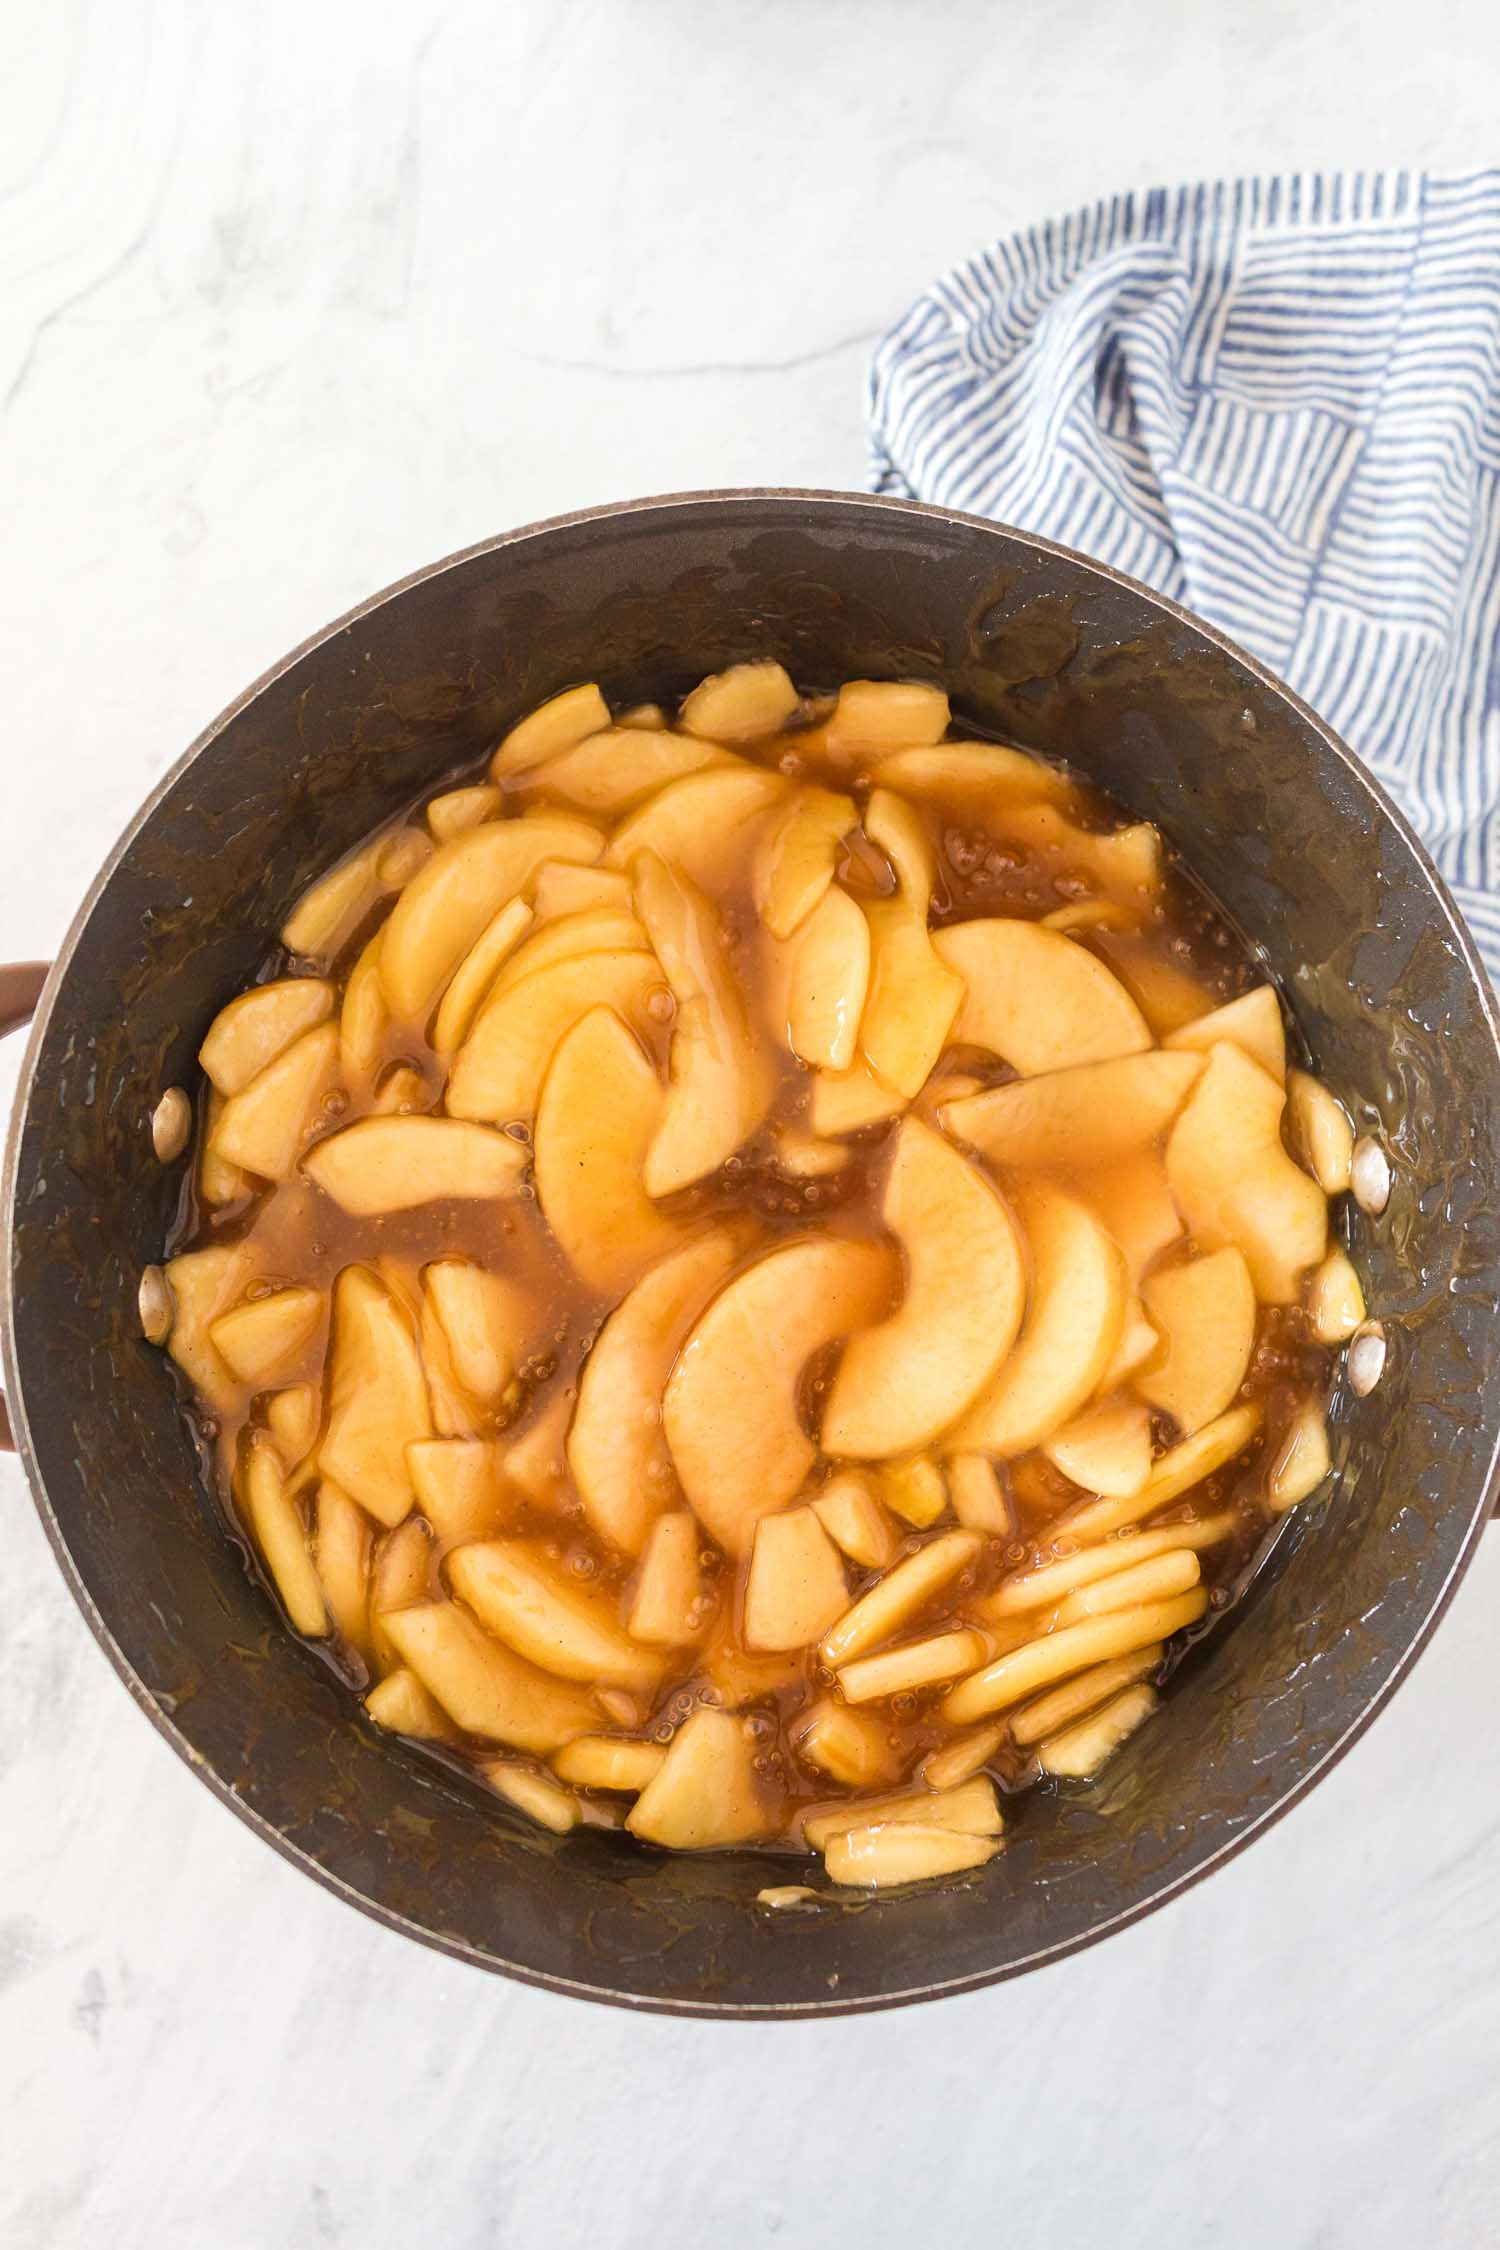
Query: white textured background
[{"x": 293, "y": 298}]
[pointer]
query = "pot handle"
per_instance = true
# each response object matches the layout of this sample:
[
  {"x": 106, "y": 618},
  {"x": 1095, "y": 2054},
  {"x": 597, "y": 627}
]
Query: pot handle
[{"x": 20, "y": 989}]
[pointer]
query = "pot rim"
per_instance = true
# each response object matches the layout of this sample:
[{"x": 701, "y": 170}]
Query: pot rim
[{"x": 877, "y": 504}]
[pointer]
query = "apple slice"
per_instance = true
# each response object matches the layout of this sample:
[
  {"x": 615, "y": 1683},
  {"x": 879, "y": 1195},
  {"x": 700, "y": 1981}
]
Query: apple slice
[
  {"x": 616, "y": 1449},
  {"x": 854, "y": 1748},
  {"x": 799, "y": 855},
  {"x": 536, "y": 1462},
  {"x": 377, "y": 1397},
  {"x": 608, "y": 1761},
  {"x": 484, "y": 1688},
  {"x": 913, "y": 998},
  {"x": 613, "y": 772},
  {"x": 261, "y": 1339},
  {"x": 671, "y": 1606},
  {"x": 399, "y": 1163},
  {"x": 979, "y": 1497},
  {"x": 802, "y": 1156},
  {"x": 219, "y": 1181},
  {"x": 1167, "y": 996},
  {"x": 272, "y": 1515},
  {"x": 458, "y": 809},
  {"x": 1079, "y": 1751},
  {"x": 796, "y": 1586},
  {"x": 1235, "y": 1183},
  {"x": 906, "y": 1588},
  {"x": 1133, "y": 1199},
  {"x": 972, "y": 777},
  {"x": 1302, "y": 1460},
  {"x": 263, "y": 1126},
  {"x": 968, "y": 1810},
  {"x": 720, "y": 1085},
  {"x": 1125, "y": 864},
  {"x": 487, "y": 1323},
  {"x": 902, "y": 1383},
  {"x": 880, "y": 715},
  {"x": 737, "y": 705},
  {"x": 914, "y": 1489},
  {"x": 459, "y": 1485},
  {"x": 292, "y": 1417},
  {"x": 1106, "y": 1449},
  {"x": 449, "y": 903},
  {"x": 1038, "y": 1000},
  {"x": 600, "y": 1109},
  {"x": 1335, "y": 1299},
  {"x": 1178, "y": 1469},
  {"x": 854, "y": 1520},
  {"x": 563, "y": 887},
  {"x": 552, "y": 727},
  {"x": 707, "y": 1792},
  {"x": 260, "y": 1025},
  {"x": 1071, "y": 1328},
  {"x": 1138, "y": 1344},
  {"x": 1205, "y": 1313},
  {"x": 601, "y": 929},
  {"x": 829, "y": 975},
  {"x": 1095, "y": 1114},
  {"x": 341, "y": 1553},
  {"x": 535, "y": 1794},
  {"x": 846, "y": 1101},
  {"x": 328, "y": 913},
  {"x": 402, "y": 1705},
  {"x": 730, "y": 1410},
  {"x": 915, "y": 1665},
  {"x": 1252, "y": 1023},
  {"x": 363, "y": 1018},
  {"x": 497, "y": 1073},
  {"x": 476, "y": 974},
  {"x": 528, "y": 1601},
  {"x": 704, "y": 826}
]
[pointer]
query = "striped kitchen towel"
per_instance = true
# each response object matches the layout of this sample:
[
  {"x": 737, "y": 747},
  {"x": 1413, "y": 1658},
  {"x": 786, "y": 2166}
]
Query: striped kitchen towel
[{"x": 1278, "y": 401}]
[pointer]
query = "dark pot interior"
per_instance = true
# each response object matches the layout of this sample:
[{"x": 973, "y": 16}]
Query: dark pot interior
[{"x": 1037, "y": 645}]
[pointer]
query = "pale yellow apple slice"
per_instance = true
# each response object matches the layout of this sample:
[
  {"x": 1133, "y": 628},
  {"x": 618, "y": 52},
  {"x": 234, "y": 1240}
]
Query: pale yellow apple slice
[
  {"x": 552, "y": 727},
  {"x": 603, "y": 929},
  {"x": 1079, "y": 1751},
  {"x": 528, "y": 1601},
  {"x": 1125, "y": 863},
  {"x": 1133, "y": 1199},
  {"x": 609, "y": 1761},
  {"x": 705, "y": 825},
  {"x": 846, "y": 1101},
  {"x": 563, "y": 887},
  {"x": 261, "y": 1024},
  {"x": 1106, "y": 1449},
  {"x": 1302, "y": 1459},
  {"x": 914, "y": 998},
  {"x": 707, "y": 1792},
  {"x": 906, "y": 1588},
  {"x": 1205, "y": 1314},
  {"x": 1320, "y": 1130},
  {"x": 616, "y": 1449},
  {"x": 900, "y": 1384},
  {"x": 802, "y": 1156},
  {"x": 1072, "y": 1325},
  {"x": 669, "y": 1607},
  {"x": 1040, "y": 1001},
  {"x": 642, "y": 715},
  {"x": 1033, "y": 1722},
  {"x": 1234, "y": 1182},
  {"x": 278, "y": 1530},
  {"x": 796, "y": 1585},
  {"x": 850, "y": 1513},
  {"x": 737, "y": 705},
  {"x": 915, "y": 1665},
  {"x": 402, "y": 1705},
  {"x": 458, "y": 809},
  {"x": 914, "y": 1489},
  {"x": 854, "y": 1748},
  {"x": 1073, "y": 1648},
  {"x": 1138, "y": 1344},
  {"x": 1175, "y": 1472},
  {"x": 613, "y": 772},
  {"x": 292, "y": 1417},
  {"x": 219, "y": 1181},
  {"x": 719, "y": 1081},
  {"x": 978, "y": 1495},
  {"x": 261, "y": 1339},
  {"x": 970, "y": 1809},
  {"x": 377, "y": 1397},
  {"x": 484, "y": 1688},
  {"x": 262, "y": 1128},
  {"x": 972, "y": 777},
  {"x": 497, "y": 1073},
  {"x": 1252, "y": 1022},
  {"x": 328, "y": 913},
  {"x": 828, "y": 977},
  {"x": 363, "y": 1018},
  {"x": 730, "y": 1410},
  {"x": 460, "y": 1485},
  {"x": 600, "y": 1108},
  {"x": 799, "y": 855},
  {"x": 1095, "y": 1114},
  {"x": 401, "y": 1574},
  {"x": 476, "y": 974},
  {"x": 487, "y": 1320},
  {"x": 536, "y": 1462},
  {"x": 399, "y": 1163},
  {"x": 341, "y": 1555},
  {"x": 537, "y": 1795},
  {"x": 880, "y": 715},
  {"x": 448, "y": 905}
]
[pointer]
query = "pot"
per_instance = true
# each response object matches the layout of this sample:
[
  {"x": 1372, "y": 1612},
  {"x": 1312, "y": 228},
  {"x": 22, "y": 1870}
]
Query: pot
[{"x": 1038, "y": 645}]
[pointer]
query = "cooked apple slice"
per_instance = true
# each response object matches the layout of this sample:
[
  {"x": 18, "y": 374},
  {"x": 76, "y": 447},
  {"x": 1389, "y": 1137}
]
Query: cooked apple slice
[
  {"x": 1100, "y": 914},
  {"x": 913, "y": 998},
  {"x": 1157, "y": 1578},
  {"x": 914, "y": 1489},
  {"x": 219, "y": 1182},
  {"x": 979, "y": 1498},
  {"x": 260, "y": 1025},
  {"x": 363, "y": 1017},
  {"x": 1133, "y": 1199},
  {"x": 1166, "y": 995},
  {"x": 552, "y": 727},
  {"x": 1320, "y": 1131},
  {"x": 262, "y": 1128},
  {"x": 377, "y": 1397},
  {"x": 498, "y": 1071},
  {"x": 278, "y": 1531},
  {"x": 880, "y": 715},
  {"x": 707, "y": 1792},
  {"x": 962, "y": 1756},
  {"x": 341, "y": 1554},
  {"x": 1079, "y": 1751},
  {"x": 846, "y": 1101},
  {"x": 915, "y": 1665},
  {"x": 737, "y": 705},
  {"x": 327, "y": 915},
  {"x": 796, "y": 1586},
  {"x": 720, "y": 1084},
  {"x": 802, "y": 1156},
  {"x": 1125, "y": 863},
  {"x": 1072, "y": 1648},
  {"x": 399, "y": 1163},
  {"x": 476, "y": 974},
  {"x": 1088, "y": 1691},
  {"x": 972, "y": 777},
  {"x": 799, "y": 855},
  {"x": 401, "y": 1574},
  {"x": 205, "y": 1283},
  {"x": 1038, "y": 1000},
  {"x": 829, "y": 975},
  {"x": 609, "y": 1761},
  {"x": 854, "y": 1748},
  {"x": 527, "y": 1601},
  {"x": 402, "y": 1705},
  {"x": 1181, "y": 1467},
  {"x": 261, "y": 1339},
  {"x": 854, "y": 1520},
  {"x": 1302, "y": 1460},
  {"x": 484, "y": 1688},
  {"x": 704, "y": 826},
  {"x": 563, "y": 887},
  {"x": 613, "y": 772},
  {"x": 536, "y": 1462},
  {"x": 730, "y": 1410},
  {"x": 599, "y": 1113},
  {"x": 1138, "y": 1343},
  {"x": 600, "y": 929},
  {"x": 1205, "y": 1314},
  {"x": 896, "y": 1598},
  {"x": 1236, "y": 1185},
  {"x": 670, "y": 1606},
  {"x": 458, "y": 809},
  {"x": 1252, "y": 1023},
  {"x": 1095, "y": 1114},
  {"x": 449, "y": 904},
  {"x": 292, "y": 1417},
  {"x": 741, "y": 1678},
  {"x": 1071, "y": 1328},
  {"x": 970, "y": 1809},
  {"x": 487, "y": 1323},
  {"x": 535, "y": 1794},
  {"x": 1105, "y": 1449},
  {"x": 459, "y": 1483},
  {"x": 615, "y": 1447}
]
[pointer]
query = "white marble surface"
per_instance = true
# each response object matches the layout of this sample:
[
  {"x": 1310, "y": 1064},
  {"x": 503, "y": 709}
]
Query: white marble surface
[{"x": 292, "y": 298}]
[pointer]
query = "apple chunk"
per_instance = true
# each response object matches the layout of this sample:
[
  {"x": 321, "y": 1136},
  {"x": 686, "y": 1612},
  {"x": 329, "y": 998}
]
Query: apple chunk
[
  {"x": 1094, "y": 1114},
  {"x": 670, "y": 1607},
  {"x": 1037, "y": 999},
  {"x": 707, "y": 1791},
  {"x": 261, "y": 1339},
  {"x": 1106, "y": 1449},
  {"x": 261, "y": 1024},
  {"x": 854, "y": 1748},
  {"x": 1235, "y": 1183},
  {"x": 204, "y": 1284},
  {"x": 553, "y": 726},
  {"x": 704, "y": 826},
  {"x": 1071, "y": 1328},
  {"x": 730, "y": 1410},
  {"x": 736, "y": 705},
  {"x": 1252, "y": 1023},
  {"x": 497, "y": 1073},
  {"x": 1205, "y": 1314},
  {"x": 796, "y": 1585},
  {"x": 880, "y": 715},
  {"x": 526, "y": 1600},
  {"x": 846, "y": 1101},
  {"x": 797, "y": 858},
  {"x": 484, "y": 1688},
  {"x": 829, "y": 975},
  {"x": 614, "y": 771},
  {"x": 263, "y": 1126},
  {"x": 377, "y": 1397},
  {"x": 972, "y": 777},
  {"x": 600, "y": 1109},
  {"x": 913, "y": 997},
  {"x": 399, "y": 1163},
  {"x": 487, "y": 1324},
  {"x": 902, "y": 1383}
]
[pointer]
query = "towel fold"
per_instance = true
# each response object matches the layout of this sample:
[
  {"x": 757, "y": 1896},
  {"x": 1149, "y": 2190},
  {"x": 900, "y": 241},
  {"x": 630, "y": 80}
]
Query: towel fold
[{"x": 1277, "y": 401}]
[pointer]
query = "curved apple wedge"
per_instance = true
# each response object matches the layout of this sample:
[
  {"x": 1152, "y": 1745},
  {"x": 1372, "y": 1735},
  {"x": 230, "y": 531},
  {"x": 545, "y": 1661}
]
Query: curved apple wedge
[
  {"x": 1253, "y": 1022},
  {"x": 972, "y": 777},
  {"x": 730, "y": 1410},
  {"x": 828, "y": 977},
  {"x": 901, "y": 1384},
  {"x": 263, "y": 1126},
  {"x": 617, "y": 770},
  {"x": 708, "y": 1791},
  {"x": 742, "y": 702},
  {"x": 525, "y": 1599},
  {"x": 552, "y": 727},
  {"x": 377, "y": 1397},
  {"x": 846, "y": 1101},
  {"x": 1125, "y": 863},
  {"x": 1106, "y": 1449},
  {"x": 258, "y": 1026},
  {"x": 1205, "y": 1314},
  {"x": 702, "y": 824},
  {"x": 881, "y": 715},
  {"x": 497, "y": 1073},
  {"x": 914, "y": 997},
  {"x": 484, "y": 1688},
  {"x": 1039, "y": 1000},
  {"x": 399, "y": 1163},
  {"x": 1072, "y": 1325},
  {"x": 1095, "y": 1114},
  {"x": 796, "y": 861},
  {"x": 616, "y": 1449},
  {"x": 599, "y": 1111},
  {"x": 1236, "y": 1185}
]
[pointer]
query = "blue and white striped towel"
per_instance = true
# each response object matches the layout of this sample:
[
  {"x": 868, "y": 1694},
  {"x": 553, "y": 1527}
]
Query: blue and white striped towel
[{"x": 1278, "y": 401}]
